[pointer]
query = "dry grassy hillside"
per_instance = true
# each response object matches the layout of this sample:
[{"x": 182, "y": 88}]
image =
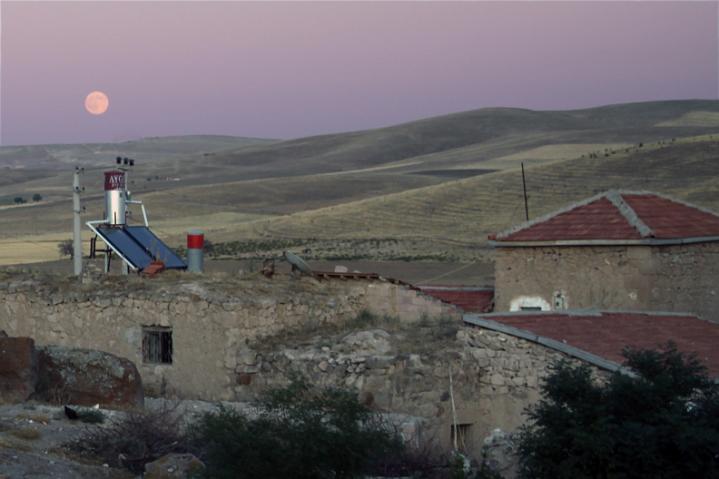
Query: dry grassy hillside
[
  {"x": 431, "y": 188},
  {"x": 466, "y": 211}
]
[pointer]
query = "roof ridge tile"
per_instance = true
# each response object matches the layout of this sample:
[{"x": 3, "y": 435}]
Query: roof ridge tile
[{"x": 615, "y": 197}]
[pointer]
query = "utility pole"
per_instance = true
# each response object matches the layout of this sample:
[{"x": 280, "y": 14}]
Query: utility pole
[
  {"x": 524, "y": 187},
  {"x": 76, "y": 211}
]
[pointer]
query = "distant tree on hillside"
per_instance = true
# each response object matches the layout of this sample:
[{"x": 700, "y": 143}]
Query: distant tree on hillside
[
  {"x": 65, "y": 248},
  {"x": 208, "y": 247},
  {"x": 663, "y": 422},
  {"x": 37, "y": 197},
  {"x": 18, "y": 200}
]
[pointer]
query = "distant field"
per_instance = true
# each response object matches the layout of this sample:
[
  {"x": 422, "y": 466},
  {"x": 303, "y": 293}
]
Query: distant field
[
  {"x": 550, "y": 153},
  {"x": 429, "y": 190},
  {"x": 695, "y": 118}
]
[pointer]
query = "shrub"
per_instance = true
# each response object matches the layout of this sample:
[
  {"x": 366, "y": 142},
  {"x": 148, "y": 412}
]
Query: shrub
[
  {"x": 37, "y": 197},
  {"x": 423, "y": 460},
  {"x": 65, "y": 248},
  {"x": 300, "y": 432},
  {"x": 135, "y": 439},
  {"x": 18, "y": 200},
  {"x": 91, "y": 416},
  {"x": 662, "y": 422}
]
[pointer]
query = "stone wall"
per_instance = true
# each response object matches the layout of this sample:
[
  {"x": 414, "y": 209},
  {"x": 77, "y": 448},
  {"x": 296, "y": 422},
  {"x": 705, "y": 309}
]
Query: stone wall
[
  {"x": 406, "y": 369},
  {"x": 686, "y": 279},
  {"x": 210, "y": 319},
  {"x": 668, "y": 278}
]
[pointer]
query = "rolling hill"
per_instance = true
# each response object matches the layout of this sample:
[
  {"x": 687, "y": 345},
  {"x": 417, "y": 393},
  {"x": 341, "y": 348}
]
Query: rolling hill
[
  {"x": 464, "y": 212},
  {"x": 442, "y": 182}
]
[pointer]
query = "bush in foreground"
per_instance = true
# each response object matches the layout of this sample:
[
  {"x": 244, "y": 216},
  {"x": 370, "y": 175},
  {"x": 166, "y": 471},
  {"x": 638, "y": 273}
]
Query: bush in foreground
[
  {"x": 661, "y": 423},
  {"x": 135, "y": 439},
  {"x": 300, "y": 432}
]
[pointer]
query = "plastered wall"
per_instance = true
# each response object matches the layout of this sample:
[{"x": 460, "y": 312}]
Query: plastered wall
[{"x": 659, "y": 278}]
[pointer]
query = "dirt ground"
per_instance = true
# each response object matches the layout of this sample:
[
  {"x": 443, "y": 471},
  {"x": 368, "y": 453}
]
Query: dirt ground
[
  {"x": 30, "y": 438},
  {"x": 40, "y": 455}
]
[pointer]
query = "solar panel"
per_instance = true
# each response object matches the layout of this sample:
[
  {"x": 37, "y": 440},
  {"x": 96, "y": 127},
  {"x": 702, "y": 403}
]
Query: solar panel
[
  {"x": 155, "y": 247},
  {"x": 123, "y": 243}
]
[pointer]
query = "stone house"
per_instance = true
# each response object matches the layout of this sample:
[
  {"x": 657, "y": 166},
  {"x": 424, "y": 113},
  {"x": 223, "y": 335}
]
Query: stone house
[{"x": 617, "y": 250}]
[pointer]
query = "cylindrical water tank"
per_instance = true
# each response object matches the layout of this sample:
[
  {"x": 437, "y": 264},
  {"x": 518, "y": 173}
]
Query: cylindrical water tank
[
  {"x": 115, "y": 197},
  {"x": 195, "y": 247}
]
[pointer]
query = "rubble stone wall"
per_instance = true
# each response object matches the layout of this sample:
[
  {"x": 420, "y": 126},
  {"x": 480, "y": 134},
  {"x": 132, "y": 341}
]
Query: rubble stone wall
[
  {"x": 406, "y": 370},
  {"x": 210, "y": 319}
]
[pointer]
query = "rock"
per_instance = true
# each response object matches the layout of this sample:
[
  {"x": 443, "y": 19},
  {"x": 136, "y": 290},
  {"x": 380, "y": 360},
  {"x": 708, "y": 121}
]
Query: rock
[
  {"x": 499, "y": 454},
  {"x": 174, "y": 466},
  {"x": 87, "y": 377},
  {"x": 415, "y": 361},
  {"x": 341, "y": 269},
  {"x": 247, "y": 357},
  {"x": 18, "y": 369},
  {"x": 323, "y": 365},
  {"x": 372, "y": 342}
]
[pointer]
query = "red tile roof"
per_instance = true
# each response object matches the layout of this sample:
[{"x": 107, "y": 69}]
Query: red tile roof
[
  {"x": 605, "y": 334},
  {"x": 619, "y": 216},
  {"x": 469, "y": 299}
]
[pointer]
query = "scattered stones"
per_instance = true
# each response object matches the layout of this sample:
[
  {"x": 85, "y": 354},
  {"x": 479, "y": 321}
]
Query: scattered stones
[{"x": 174, "y": 466}]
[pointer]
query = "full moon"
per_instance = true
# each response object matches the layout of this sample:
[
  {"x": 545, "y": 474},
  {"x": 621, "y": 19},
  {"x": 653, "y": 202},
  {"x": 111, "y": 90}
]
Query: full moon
[{"x": 96, "y": 103}]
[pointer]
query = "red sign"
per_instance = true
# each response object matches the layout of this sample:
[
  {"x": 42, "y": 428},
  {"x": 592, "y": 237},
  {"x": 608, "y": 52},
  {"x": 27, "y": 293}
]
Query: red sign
[{"x": 114, "y": 180}]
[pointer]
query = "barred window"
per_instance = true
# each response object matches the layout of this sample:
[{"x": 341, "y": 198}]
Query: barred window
[{"x": 157, "y": 345}]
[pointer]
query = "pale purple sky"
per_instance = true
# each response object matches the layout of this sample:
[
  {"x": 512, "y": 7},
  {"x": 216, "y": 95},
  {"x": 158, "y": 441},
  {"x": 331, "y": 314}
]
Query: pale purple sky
[{"x": 292, "y": 69}]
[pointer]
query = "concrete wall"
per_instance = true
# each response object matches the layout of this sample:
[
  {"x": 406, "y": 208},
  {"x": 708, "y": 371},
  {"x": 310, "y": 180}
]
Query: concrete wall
[
  {"x": 658, "y": 278},
  {"x": 211, "y": 320}
]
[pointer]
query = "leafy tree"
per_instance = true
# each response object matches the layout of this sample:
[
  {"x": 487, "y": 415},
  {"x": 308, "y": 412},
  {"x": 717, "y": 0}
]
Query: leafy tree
[
  {"x": 18, "y": 200},
  {"x": 661, "y": 422},
  {"x": 300, "y": 432},
  {"x": 37, "y": 197}
]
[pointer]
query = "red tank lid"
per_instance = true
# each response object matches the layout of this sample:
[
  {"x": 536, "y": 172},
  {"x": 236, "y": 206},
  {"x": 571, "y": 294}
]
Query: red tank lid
[{"x": 195, "y": 240}]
